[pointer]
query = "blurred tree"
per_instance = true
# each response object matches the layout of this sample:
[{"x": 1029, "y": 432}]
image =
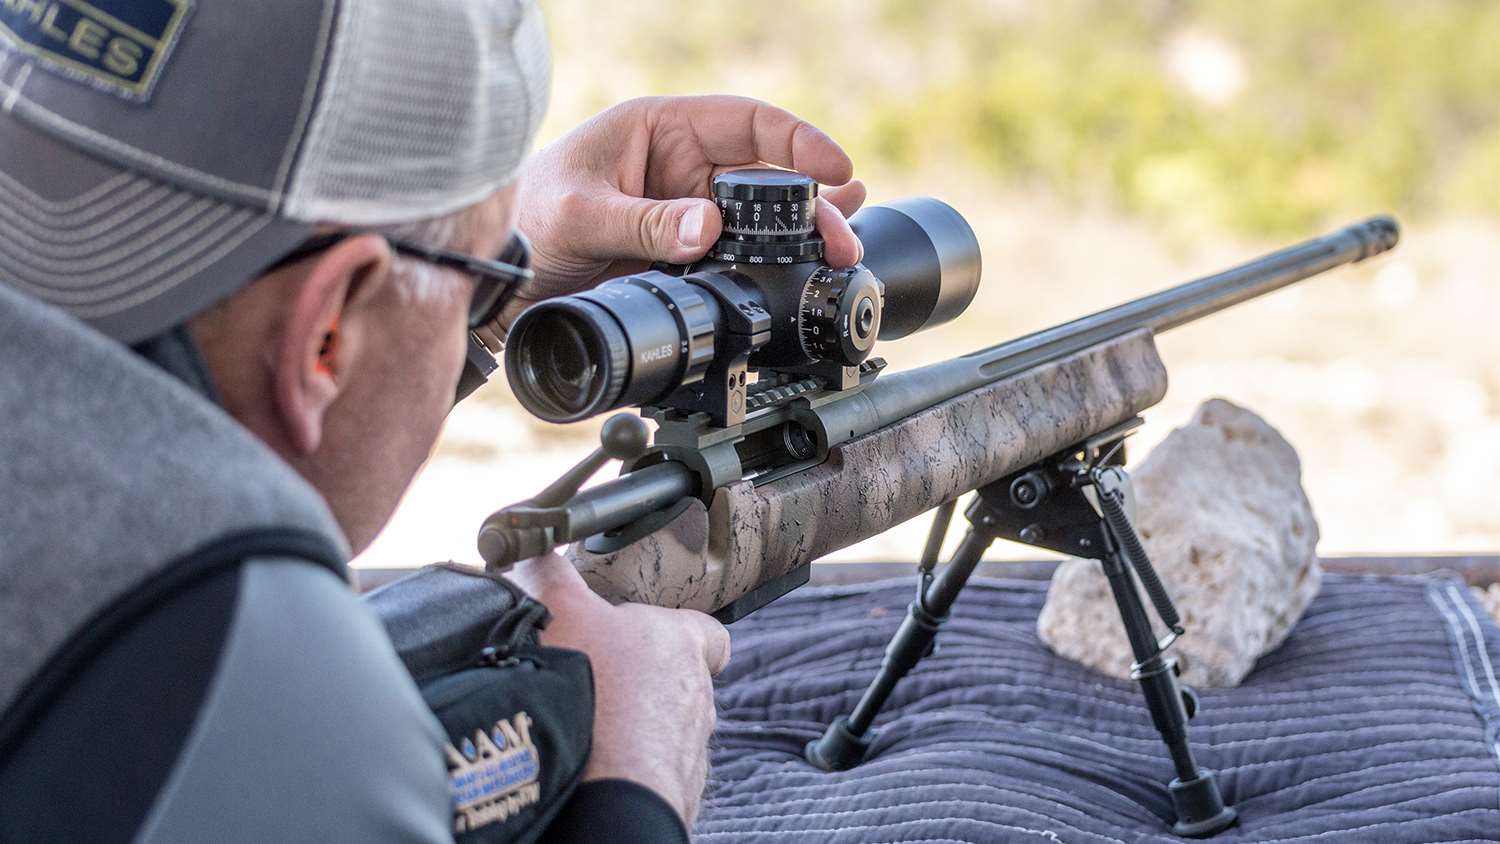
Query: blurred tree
[{"x": 1265, "y": 117}]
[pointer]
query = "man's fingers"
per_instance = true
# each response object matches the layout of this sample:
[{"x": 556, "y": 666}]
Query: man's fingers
[
  {"x": 847, "y": 198},
  {"x": 613, "y": 226},
  {"x": 732, "y": 130},
  {"x": 715, "y": 638},
  {"x": 716, "y": 648},
  {"x": 840, "y": 247}
]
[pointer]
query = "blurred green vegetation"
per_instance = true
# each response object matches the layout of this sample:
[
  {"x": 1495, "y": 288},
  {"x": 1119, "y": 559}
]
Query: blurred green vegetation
[{"x": 1262, "y": 117}]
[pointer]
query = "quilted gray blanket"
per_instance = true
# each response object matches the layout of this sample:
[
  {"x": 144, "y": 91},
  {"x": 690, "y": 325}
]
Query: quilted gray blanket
[{"x": 1378, "y": 720}]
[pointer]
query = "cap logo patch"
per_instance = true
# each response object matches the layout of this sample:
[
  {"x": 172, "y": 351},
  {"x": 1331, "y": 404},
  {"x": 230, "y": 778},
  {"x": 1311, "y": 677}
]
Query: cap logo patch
[
  {"x": 119, "y": 46},
  {"x": 493, "y": 775}
]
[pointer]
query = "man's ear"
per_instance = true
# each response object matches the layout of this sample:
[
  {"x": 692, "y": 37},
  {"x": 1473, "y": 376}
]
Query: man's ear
[{"x": 321, "y": 343}]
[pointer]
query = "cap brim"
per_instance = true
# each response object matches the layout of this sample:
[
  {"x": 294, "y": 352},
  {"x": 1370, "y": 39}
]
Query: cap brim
[{"x": 126, "y": 253}]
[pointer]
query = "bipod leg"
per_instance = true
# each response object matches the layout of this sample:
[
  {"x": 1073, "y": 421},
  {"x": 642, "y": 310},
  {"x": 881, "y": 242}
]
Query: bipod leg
[
  {"x": 847, "y": 740},
  {"x": 1195, "y": 791},
  {"x": 1048, "y": 505}
]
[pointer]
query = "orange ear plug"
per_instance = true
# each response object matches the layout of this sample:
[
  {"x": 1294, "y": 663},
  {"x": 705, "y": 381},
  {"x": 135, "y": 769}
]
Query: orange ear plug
[{"x": 329, "y": 351}]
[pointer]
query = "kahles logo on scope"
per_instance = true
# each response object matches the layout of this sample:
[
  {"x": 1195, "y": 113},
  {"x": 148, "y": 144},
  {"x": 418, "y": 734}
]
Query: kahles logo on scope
[
  {"x": 119, "y": 46},
  {"x": 660, "y": 352}
]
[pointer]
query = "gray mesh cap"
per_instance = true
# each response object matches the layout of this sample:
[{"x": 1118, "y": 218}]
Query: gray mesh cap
[{"x": 156, "y": 155}]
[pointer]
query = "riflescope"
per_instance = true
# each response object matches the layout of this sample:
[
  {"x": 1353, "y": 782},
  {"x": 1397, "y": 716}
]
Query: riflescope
[{"x": 762, "y": 301}]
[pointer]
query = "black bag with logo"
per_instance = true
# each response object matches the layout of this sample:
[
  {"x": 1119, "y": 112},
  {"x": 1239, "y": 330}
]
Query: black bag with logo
[{"x": 518, "y": 716}]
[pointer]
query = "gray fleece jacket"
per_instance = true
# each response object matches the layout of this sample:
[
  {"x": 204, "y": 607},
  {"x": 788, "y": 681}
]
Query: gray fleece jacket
[
  {"x": 181, "y": 658},
  {"x": 114, "y": 477}
]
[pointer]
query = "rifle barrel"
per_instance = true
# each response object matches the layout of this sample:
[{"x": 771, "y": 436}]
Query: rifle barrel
[
  {"x": 901, "y": 394},
  {"x": 1197, "y": 299}
]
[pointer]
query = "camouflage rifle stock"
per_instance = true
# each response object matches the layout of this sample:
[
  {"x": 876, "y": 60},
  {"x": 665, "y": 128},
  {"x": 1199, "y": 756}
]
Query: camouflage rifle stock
[
  {"x": 753, "y": 535},
  {"x": 715, "y": 520}
]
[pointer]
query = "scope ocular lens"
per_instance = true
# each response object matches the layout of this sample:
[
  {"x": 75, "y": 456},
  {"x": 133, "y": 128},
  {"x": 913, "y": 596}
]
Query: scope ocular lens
[
  {"x": 565, "y": 361},
  {"x": 562, "y": 365}
]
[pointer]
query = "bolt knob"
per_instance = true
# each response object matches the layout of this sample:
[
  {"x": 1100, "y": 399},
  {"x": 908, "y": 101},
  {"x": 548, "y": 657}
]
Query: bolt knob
[
  {"x": 1028, "y": 490},
  {"x": 624, "y": 436}
]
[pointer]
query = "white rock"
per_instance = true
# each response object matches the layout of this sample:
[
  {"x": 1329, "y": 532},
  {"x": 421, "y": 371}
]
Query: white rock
[{"x": 1221, "y": 511}]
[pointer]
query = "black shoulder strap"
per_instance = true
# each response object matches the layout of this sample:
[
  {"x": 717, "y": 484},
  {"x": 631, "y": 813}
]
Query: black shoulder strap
[{"x": 207, "y": 560}]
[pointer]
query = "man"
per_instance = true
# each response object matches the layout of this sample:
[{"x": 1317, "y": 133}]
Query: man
[{"x": 237, "y": 290}]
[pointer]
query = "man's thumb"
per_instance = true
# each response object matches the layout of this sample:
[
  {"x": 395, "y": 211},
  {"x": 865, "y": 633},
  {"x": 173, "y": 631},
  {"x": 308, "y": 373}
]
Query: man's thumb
[
  {"x": 548, "y": 576},
  {"x": 678, "y": 231}
]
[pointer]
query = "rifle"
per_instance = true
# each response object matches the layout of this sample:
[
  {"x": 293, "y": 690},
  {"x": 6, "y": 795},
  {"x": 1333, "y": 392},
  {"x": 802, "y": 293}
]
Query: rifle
[{"x": 746, "y": 484}]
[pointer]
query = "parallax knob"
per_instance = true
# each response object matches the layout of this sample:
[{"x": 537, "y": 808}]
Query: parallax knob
[{"x": 839, "y": 316}]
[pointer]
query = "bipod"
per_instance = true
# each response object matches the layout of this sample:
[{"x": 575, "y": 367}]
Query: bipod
[{"x": 1075, "y": 502}]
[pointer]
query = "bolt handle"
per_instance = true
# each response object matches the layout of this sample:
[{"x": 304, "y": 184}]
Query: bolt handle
[
  {"x": 624, "y": 437},
  {"x": 527, "y": 529}
]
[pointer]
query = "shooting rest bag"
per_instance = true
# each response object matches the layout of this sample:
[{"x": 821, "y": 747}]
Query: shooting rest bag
[
  {"x": 518, "y": 716},
  {"x": 1378, "y": 719}
]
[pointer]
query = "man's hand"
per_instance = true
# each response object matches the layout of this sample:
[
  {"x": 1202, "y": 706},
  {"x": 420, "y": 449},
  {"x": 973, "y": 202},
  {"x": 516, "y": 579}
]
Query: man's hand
[
  {"x": 632, "y": 185},
  {"x": 653, "y": 692}
]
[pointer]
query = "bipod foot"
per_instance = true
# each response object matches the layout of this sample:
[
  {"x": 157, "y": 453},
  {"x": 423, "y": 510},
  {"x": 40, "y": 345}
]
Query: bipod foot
[
  {"x": 846, "y": 742},
  {"x": 839, "y": 749},
  {"x": 1200, "y": 807}
]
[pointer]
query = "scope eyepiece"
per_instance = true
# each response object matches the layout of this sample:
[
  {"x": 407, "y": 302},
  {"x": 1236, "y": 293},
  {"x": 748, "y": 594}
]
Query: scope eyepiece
[
  {"x": 629, "y": 341},
  {"x": 568, "y": 360}
]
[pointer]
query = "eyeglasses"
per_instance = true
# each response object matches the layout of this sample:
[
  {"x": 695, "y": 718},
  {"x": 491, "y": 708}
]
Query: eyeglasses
[{"x": 496, "y": 283}]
